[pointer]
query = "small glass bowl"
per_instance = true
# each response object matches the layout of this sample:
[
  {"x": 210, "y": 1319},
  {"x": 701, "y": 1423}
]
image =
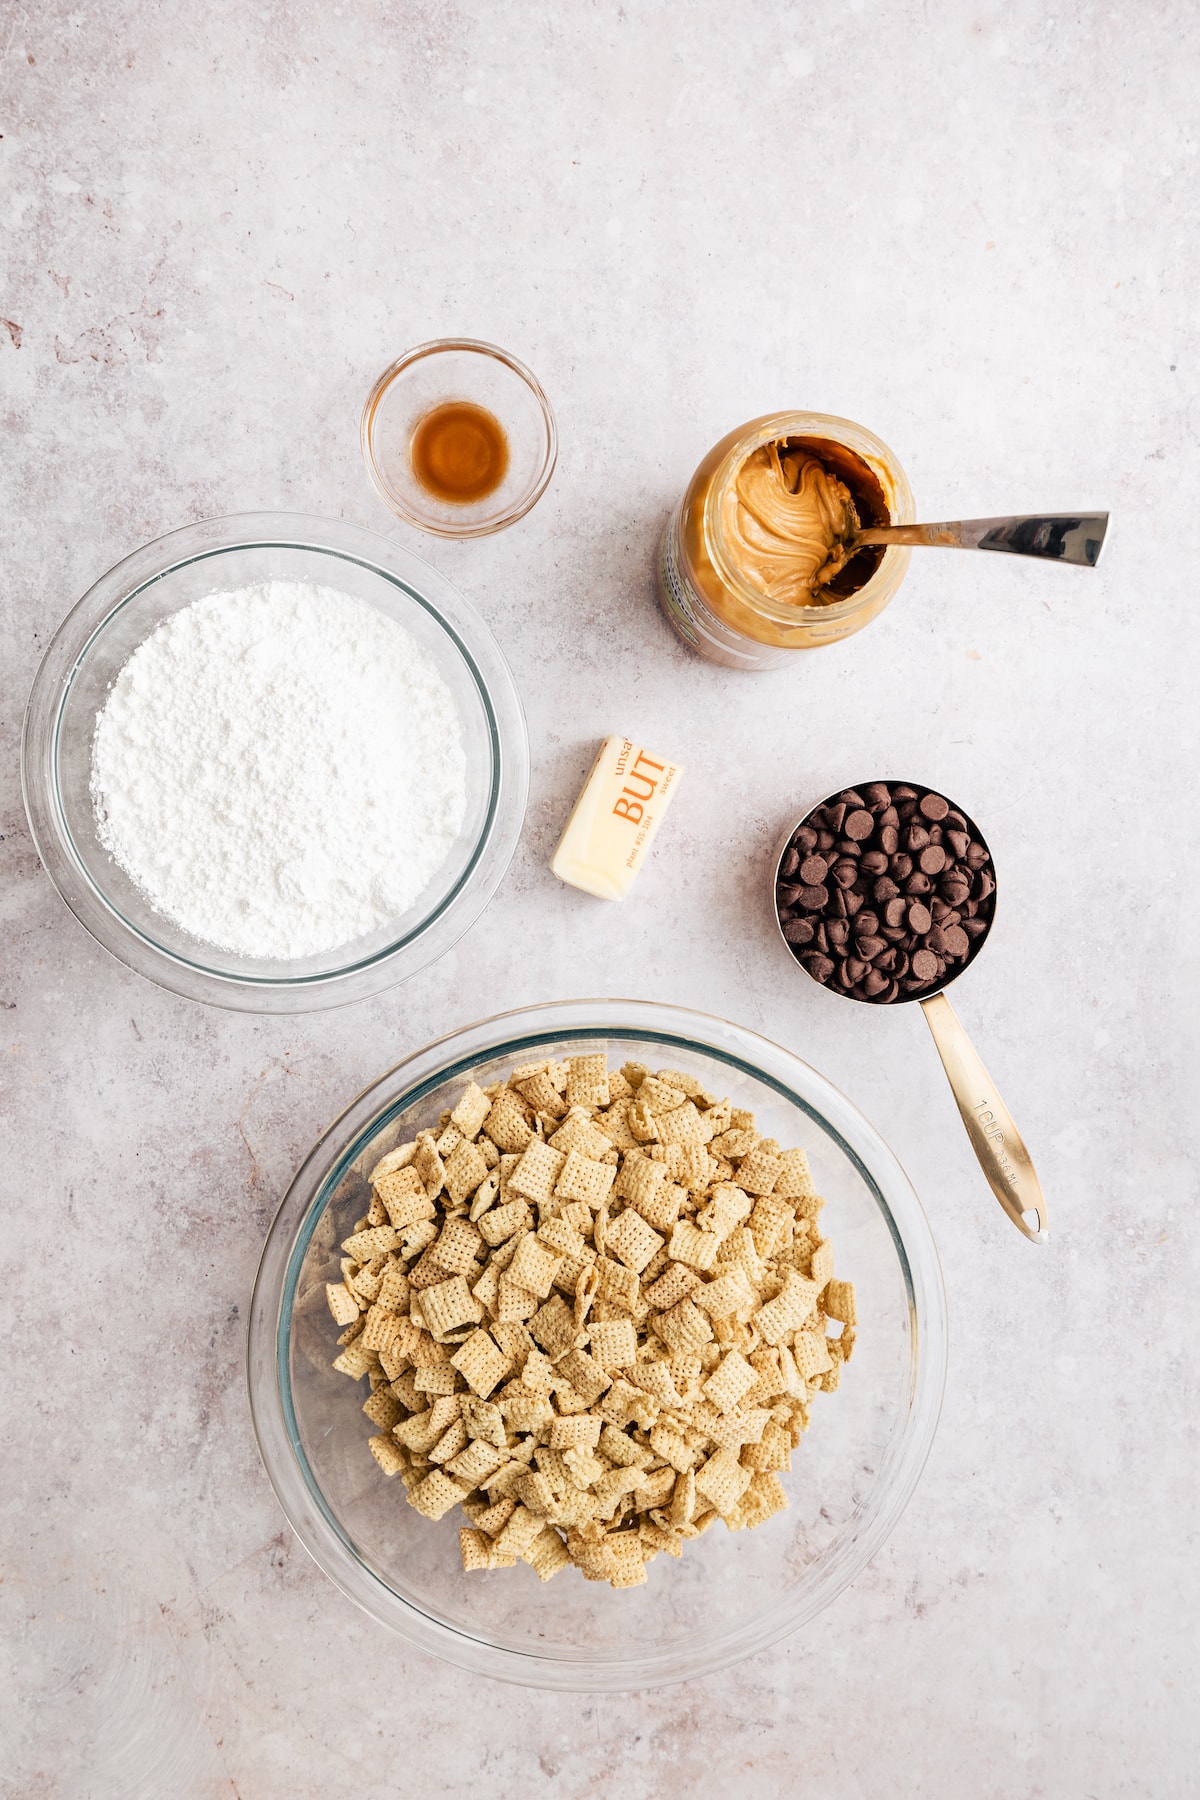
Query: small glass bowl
[
  {"x": 458, "y": 369},
  {"x": 731, "y": 1594},
  {"x": 120, "y": 612}
]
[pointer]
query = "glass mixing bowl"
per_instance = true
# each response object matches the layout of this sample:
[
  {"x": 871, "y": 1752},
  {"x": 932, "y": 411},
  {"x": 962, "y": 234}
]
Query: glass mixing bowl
[
  {"x": 123, "y": 608},
  {"x": 730, "y": 1594}
]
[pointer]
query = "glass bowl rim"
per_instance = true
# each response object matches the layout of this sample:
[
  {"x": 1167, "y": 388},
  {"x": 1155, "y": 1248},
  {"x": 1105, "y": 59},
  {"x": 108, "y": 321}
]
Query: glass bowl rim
[
  {"x": 395, "y": 502},
  {"x": 515, "y": 1032},
  {"x": 419, "y": 583}
]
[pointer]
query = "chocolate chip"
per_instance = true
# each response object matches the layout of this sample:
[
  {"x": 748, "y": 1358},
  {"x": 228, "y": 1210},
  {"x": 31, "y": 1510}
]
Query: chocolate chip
[
  {"x": 876, "y": 795},
  {"x": 888, "y": 819},
  {"x": 919, "y": 917},
  {"x": 934, "y": 806},
  {"x": 885, "y": 888},
  {"x": 853, "y": 902},
  {"x": 918, "y": 884},
  {"x": 955, "y": 887},
  {"x": 868, "y": 922},
  {"x": 901, "y": 866},
  {"x": 855, "y": 969},
  {"x": 860, "y": 825},
  {"x": 835, "y": 816},
  {"x": 874, "y": 863},
  {"x": 837, "y": 903},
  {"x": 889, "y": 839},
  {"x": 790, "y": 863},
  {"x": 825, "y": 840},
  {"x": 933, "y": 860},
  {"x": 904, "y": 793},
  {"x": 874, "y": 982},
  {"x": 798, "y": 931},
  {"x": 818, "y": 966},
  {"x": 869, "y": 947},
  {"x": 893, "y": 912},
  {"x": 837, "y": 933},
  {"x": 788, "y": 895},
  {"x": 815, "y": 898},
  {"x": 957, "y": 941},
  {"x": 924, "y": 965},
  {"x": 805, "y": 840},
  {"x": 974, "y": 928},
  {"x": 975, "y": 856},
  {"x": 813, "y": 871},
  {"x": 916, "y": 838}
]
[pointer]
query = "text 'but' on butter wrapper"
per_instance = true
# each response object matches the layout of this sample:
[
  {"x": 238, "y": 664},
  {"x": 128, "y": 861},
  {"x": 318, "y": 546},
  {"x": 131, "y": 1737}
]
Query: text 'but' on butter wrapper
[{"x": 613, "y": 822}]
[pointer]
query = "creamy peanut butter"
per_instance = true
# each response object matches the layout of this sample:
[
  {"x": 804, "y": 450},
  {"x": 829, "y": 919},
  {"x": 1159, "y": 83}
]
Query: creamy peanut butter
[{"x": 785, "y": 520}]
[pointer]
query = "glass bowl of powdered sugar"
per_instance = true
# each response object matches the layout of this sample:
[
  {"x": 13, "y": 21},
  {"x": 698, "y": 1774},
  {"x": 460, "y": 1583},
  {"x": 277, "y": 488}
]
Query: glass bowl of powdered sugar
[{"x": 275, "y": 763}]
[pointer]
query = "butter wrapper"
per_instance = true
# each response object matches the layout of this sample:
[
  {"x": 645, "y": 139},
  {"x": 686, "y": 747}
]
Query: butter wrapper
[{"x": 614, "y": 821}]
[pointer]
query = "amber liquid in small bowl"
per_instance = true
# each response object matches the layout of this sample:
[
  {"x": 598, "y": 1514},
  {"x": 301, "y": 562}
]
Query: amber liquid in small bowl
[{"x": 459, "y": 452}]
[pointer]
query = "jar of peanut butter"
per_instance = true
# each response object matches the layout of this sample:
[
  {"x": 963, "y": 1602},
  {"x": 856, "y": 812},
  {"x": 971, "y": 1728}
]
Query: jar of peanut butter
[{"x": 752, "y": 563}]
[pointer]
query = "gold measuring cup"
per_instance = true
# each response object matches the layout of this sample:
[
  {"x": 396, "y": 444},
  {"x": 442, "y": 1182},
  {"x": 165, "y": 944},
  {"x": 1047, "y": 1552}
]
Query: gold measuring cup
[{"x": 997, "y": 1143}]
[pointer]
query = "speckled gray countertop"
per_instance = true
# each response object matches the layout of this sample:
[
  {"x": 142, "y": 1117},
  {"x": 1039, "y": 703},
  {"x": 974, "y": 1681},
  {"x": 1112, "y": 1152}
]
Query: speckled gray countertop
[{"x": 974, "y": 229}]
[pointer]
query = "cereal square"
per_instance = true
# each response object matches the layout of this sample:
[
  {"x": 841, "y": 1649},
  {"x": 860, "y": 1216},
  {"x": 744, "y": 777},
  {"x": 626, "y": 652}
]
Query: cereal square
[
  {"x": 722, "y": 1481},
  {"x": 632, "y": 1240},
  {"x": 682, "y": 1126},
  {"x": 617, "y": 1284},
  {"x": 692, "y": 1246},
  {"x": 506, "y": 1123},
  {"x": 536, "y": 1173},
  {"x": 683, "y": 1328},
  {"x": 587, "y": 1080},
  {"x": 821, "y": 1267},
  {"x": 533, "y": 1266},
  {"x": 388, "y": 1454},
  {"x": 450, "y": 1303},
  {"x": 583, "y": 1178},
  {"x": 613, "y": 1343},
  {"x": 759, "y": 1171},
  {"x": 839, "y": 1302},
  {"x": 585, "y": 1374},
  {"x": 342, "y": 1303},
  {"x": 553, "y": 1327},
  {"x": 470, "y": 1112},
  {"x": 671, "y": 1287},
  {"x": 580, "y": 1432},
  {"x": 465, "y": 1170},
  {"x": 732, "y": 1379},
  {"x": 480, "y": 1363},
  {"x": 542, "y": 1095},
  {"x": 505, "y": 1221},
  {"x": 437, "y": 1494},
  {"x": 795, "y": 1178}
]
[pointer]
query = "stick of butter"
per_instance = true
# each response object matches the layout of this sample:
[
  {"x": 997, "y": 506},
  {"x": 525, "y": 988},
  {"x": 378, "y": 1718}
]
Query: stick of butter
[{"x": 613, "y": 822}]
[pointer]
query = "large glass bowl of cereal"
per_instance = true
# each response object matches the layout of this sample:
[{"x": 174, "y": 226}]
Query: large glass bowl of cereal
[{"x": 597, "y": 1345}]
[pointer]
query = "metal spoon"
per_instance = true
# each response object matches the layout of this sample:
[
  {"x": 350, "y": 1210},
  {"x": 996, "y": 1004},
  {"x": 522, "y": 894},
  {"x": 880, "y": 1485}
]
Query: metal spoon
[
  {"x": 997, "y": 1143},
  {"x": 1054, "y": 537}
]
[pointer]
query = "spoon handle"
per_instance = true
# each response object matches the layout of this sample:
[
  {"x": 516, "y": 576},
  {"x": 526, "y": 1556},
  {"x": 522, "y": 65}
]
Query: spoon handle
[
  {"x": 994, "y": 1137},
  {"x": 1055, "y": 537}
]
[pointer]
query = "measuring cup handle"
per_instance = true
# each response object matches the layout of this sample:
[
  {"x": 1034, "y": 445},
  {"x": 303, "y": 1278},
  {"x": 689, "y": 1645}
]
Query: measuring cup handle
[{"x": 994, "y": 1137}]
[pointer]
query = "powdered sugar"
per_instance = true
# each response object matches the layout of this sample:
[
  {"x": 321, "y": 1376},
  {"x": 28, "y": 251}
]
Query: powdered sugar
[{"x": 280, "y": 769}]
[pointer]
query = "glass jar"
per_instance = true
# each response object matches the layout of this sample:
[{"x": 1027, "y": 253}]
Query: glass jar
[{"x": 719, "y": 613}]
